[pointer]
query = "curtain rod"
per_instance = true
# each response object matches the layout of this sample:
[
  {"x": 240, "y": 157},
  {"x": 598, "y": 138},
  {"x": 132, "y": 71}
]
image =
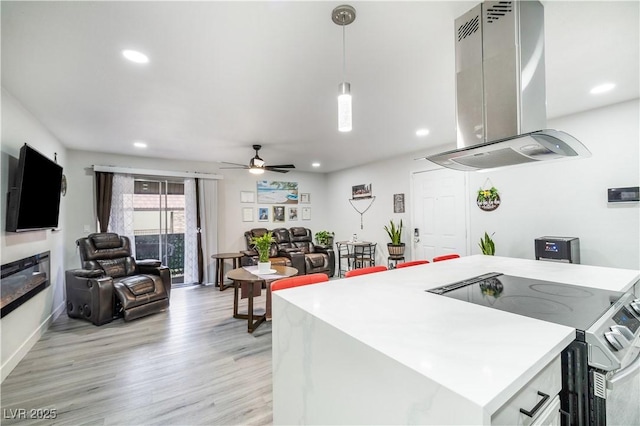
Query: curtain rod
[{"x": 150, "y": 172}]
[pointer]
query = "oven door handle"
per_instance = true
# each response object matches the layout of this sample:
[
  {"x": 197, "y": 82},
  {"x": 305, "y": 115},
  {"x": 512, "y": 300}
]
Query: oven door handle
[{"x": 625, "y": 373}]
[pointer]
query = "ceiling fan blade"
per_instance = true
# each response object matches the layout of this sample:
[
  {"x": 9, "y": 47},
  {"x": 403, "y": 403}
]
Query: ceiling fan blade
[
  {"x": 282, "y": 166},
  {"x": 271, "y": 169},
  {"x": 237, "y": 166}
]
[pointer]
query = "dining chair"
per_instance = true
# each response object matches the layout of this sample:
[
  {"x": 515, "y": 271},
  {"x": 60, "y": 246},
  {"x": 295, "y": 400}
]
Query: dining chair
[
  {"x": 298, "y": 281},
  {"x": 446, "y": 257},
  {"x": 363, "y": 271},
  {"x": 411, "y": 263},
  {"x": 364, "y": 255}
]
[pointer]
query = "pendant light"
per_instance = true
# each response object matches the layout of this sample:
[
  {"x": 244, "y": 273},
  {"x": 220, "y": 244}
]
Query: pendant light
[{"x": 343, "y": 16}]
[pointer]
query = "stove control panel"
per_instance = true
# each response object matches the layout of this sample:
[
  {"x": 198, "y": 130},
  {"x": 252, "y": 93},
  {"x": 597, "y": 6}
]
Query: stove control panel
[{"x": 614, "y": 334}]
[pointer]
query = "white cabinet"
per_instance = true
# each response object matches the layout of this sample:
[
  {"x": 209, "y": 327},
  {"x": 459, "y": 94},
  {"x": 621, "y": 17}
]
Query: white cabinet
[{"x": 545, "y": 385}]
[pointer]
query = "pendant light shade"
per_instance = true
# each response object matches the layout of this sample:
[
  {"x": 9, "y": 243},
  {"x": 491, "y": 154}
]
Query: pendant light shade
[
  {"x": 344, "y": 107},
  {"x": 343, "y": 16}
]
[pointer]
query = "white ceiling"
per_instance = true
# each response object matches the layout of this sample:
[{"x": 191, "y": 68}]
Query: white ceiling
[{"x": 225, "y": 75}]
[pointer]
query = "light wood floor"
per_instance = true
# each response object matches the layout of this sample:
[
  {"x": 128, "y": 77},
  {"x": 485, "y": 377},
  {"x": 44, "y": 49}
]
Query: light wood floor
[{"x": 194, "y": 364}]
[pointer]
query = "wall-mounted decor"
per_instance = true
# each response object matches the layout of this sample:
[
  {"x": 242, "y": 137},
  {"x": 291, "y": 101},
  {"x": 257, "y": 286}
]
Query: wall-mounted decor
[
  {"x": 263, "y": 214},
  {"x": 275, "y": 192},
  {"x": 306, "y": 213},
  {"x": 305, "y": 198},
  {"x": 488, "y": 198},
  {"x": 278, "y": 213},
  {"x": 247, "y": 197},
  {"x": 293, "y": 213},
  {"x": 361, "y": 191},
  {"x": 398, "y": 203},
  {"x": 247, "y": 214}
]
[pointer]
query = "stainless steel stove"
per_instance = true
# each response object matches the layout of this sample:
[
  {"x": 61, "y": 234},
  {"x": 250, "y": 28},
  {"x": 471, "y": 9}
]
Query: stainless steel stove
[{"x": 601, "y": 367}]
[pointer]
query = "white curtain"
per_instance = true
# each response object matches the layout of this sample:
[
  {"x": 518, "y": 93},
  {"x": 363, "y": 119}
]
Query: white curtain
[
  {"x": 190, "y": 232},
  {"x": 209, "y": 226},
  {"x": 121, "y": 220}
]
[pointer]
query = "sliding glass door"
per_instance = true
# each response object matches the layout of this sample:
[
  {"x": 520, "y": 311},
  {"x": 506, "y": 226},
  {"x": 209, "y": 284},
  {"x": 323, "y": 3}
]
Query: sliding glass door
[{"x": 159, "y": 223}]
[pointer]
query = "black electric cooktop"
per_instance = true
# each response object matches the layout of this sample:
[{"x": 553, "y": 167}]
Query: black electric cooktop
[{"x": 574, "y": 306}]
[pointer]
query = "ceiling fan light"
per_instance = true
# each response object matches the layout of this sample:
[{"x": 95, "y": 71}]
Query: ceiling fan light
[
  {"x": 344, "y": 107},
  {"x": 256, "y": 170}
]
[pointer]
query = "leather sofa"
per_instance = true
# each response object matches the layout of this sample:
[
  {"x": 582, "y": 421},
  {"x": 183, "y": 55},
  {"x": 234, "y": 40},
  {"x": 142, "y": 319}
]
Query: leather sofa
[
  {"x": 112, "y": 284},
  {"x": 293, "y": 247}
]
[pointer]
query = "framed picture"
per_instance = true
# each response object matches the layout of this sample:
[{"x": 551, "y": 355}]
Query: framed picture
[
  {"x": 276, "y": 192},
  {"x": 293, "y": 213},
  {"x": 247, "y": 214},
  {"x": 398, "y": 203},
  {"x": 278, "y": 213},
  {"x": 361, "y": 191},
  {"x": 263, "y": 214},
  {"x": 306, "y": 213},
  {"x": 305, "y": 198},
  {"x": 247, "y": 197}
]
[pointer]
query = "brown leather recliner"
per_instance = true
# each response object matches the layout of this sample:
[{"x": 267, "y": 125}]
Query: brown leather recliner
[
  {"x": 111, "y": 283},
  {"x": 251, "y": 254},
  {"x": 317, "y": 258},
  {"x": 288, "y": 250}
]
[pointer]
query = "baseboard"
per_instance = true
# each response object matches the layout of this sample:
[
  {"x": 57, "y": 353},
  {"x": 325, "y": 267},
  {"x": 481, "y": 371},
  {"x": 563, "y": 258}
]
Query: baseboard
[{"x": 24, "y": 349}]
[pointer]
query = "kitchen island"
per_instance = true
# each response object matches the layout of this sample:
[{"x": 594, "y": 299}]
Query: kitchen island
[{"x": 378, "y": 349}]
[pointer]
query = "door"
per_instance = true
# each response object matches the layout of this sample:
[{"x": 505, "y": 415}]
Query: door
[
  {"x": 439, "y": 213},
  {"x": 159, "y": 223}
]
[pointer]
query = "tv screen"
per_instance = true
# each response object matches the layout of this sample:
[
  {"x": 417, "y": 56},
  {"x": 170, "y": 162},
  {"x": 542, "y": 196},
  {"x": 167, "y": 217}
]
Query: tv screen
[{"x": 34, "y": 197}]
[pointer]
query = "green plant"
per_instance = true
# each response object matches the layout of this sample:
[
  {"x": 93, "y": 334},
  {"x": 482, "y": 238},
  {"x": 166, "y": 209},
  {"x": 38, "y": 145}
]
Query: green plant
[
  {"x": 394, "y": 232},
  {"x": 490, "y": 194},
  {"x": 324, "y": 237},
  {"x": 487, "y": 245},
  {"x": 263, "y": 245}
]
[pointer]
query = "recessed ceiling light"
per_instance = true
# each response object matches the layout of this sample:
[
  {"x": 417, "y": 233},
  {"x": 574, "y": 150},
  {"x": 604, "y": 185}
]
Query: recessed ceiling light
[
  {"x": 602, "y": 88},
  {"x": 135, "y": 56},
  {"x": 422, "y": 132},
  {"x": 316, "y": 164},
  {"x": 140, "y": 144}
]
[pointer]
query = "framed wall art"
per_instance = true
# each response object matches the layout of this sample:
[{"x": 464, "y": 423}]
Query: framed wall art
[
  {"x": 247, "y": 214},
  {"x": 305, "y": 198},
  {"x": 306, "y": 213},
  {"x": 293, "y": 213},
  {"x": 276, "y": 192},
  {"x": 247, "y": 197},
  {"x": 398, "y": 203},
  {"x": 263, "y": 214},
  {"x": 361, "y": 191},
  {"x": 278, "y": 213}
]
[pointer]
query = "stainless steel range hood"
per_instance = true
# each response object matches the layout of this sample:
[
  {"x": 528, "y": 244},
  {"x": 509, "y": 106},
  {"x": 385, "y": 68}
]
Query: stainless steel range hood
[{"x": 500, "y": 90}]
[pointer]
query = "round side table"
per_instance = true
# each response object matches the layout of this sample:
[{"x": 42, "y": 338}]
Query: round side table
[
  {"x": 220, "y": 258},
  {"x": 392, "y": 261}
]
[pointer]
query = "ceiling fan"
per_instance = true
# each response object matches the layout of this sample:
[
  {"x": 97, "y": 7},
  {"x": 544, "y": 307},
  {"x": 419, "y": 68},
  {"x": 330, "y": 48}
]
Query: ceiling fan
[{"x": 257, "y": 165}]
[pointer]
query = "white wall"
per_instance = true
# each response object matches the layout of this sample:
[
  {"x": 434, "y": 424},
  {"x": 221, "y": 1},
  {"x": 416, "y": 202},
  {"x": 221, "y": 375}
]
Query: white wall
[
  {"x": 231, "y": 228},
  {"x": 22, "y": 328},
  {"x": 567, "y": 198}
]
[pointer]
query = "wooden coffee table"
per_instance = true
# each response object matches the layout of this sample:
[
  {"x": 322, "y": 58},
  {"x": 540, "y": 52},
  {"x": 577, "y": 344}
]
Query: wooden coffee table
[{"x": 249, "y": 281}]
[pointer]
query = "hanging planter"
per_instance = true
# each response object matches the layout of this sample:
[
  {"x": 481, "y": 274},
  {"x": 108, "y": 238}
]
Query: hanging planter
[{"x": 488, "y": 199}]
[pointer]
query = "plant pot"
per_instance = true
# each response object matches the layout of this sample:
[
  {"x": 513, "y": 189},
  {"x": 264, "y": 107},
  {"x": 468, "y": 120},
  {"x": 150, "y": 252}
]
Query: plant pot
[
  {"x": 264, "y": 267},
  {"x": 395, "y": 249}
]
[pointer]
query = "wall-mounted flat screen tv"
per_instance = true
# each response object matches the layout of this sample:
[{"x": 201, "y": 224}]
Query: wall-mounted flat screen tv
[{"x": 34, "y": 197}]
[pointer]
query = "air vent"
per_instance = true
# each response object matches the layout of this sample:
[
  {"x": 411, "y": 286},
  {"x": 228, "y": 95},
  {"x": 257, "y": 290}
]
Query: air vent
[
  {"x": 497, "y": 11},
  {"x": 599, "y": 385},
  {"x": 468, "y": 28}
]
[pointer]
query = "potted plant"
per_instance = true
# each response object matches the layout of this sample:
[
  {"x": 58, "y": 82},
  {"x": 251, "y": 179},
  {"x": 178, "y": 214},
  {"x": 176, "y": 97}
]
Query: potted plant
[
  {"x": 324, "y": 238},
  {"x": 263, "y": 246},
  {"x": 395, "y": 247},
  {"x": 487, "y": 245}
]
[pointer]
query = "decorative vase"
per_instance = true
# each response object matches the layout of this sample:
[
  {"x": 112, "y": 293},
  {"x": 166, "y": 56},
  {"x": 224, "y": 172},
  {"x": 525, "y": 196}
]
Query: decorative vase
[
  {"x": 264, "y": 267},
  {"x": 395, "y": 249}
]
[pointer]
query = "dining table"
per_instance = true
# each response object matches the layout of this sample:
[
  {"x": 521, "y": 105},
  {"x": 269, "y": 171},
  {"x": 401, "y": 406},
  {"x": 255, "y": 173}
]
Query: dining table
[
  {"x": 248, "y": 284},
  {"x": 347, "y": 252}
]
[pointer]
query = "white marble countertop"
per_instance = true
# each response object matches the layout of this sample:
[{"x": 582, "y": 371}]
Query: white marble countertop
[{"x": 483, "y": 355}]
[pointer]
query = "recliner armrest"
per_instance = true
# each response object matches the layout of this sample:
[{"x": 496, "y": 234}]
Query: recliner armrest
[
  {"x": 323, "y": 249},
  {"x": 148, "y": 262},
  {"x": 88, "y": 273},
  {"x": 249, "y": 253}
]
